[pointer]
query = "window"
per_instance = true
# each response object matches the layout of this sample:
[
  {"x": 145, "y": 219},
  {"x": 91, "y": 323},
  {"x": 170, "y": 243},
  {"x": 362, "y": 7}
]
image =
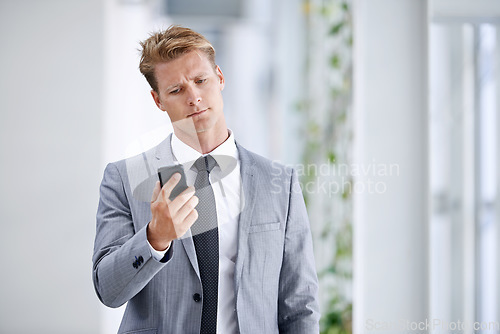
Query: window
[{"x": 464, "y": 160}]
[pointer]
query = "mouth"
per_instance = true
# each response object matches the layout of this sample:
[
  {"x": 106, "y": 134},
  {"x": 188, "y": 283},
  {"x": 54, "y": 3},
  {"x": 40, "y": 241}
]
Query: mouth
[{"x": 197, "y": 113}]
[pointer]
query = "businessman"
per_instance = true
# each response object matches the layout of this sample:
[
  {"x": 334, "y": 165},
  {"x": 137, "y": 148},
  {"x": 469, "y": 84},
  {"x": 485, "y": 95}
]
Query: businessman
[{"x": 228, "y": 254}]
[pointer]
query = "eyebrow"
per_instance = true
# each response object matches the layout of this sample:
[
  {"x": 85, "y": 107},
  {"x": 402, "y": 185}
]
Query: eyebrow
[{"x": 199, "y": 75}]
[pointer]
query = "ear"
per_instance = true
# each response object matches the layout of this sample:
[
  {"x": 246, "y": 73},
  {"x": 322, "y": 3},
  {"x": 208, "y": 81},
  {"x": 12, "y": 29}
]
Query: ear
[
  {"x": 156, "y": 98},
  {"x": 220, "y": 75}
]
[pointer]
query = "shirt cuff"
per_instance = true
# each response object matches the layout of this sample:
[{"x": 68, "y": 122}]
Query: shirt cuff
[{"x": 159, "y": 255}]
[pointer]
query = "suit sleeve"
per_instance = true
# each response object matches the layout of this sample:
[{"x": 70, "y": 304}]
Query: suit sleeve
[
  {"x": 298, "y": 309},
  {"x": 122, "y": 261}
]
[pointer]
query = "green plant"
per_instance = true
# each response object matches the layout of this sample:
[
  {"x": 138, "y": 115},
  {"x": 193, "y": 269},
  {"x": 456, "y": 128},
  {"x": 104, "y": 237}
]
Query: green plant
[{"x": 327, "y": 130}]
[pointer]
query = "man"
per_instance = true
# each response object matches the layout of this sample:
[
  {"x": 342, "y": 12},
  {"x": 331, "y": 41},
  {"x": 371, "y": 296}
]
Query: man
[{"x": 225, "y": 256}]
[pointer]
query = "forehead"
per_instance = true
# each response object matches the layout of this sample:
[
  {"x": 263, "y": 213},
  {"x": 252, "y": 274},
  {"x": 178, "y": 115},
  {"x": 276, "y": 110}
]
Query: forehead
[{"x": 187, "y": 66}]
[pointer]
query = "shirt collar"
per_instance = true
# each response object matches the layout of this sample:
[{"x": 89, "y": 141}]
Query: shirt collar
[{"x": 225, "y": 154}]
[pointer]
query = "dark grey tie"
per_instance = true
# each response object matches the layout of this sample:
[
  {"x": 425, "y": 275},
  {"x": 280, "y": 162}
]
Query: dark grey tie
[{"x": 206, "y": 241}]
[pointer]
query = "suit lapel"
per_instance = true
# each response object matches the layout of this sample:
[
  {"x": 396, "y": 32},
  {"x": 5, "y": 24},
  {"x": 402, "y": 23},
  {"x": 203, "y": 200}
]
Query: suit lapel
[
  {"x": 248, "y": 182},
  {"x": 165, "y": 157},
  {"x": 187, "y": 242}
]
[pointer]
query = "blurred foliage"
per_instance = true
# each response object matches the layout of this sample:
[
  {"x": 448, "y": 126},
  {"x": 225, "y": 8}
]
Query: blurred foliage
[{"x": 328, "y": 133}]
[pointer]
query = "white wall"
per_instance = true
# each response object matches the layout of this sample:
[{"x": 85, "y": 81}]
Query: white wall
[
  {"x": 391, "y": 239},
  {"x": 131, "y": 121},
  {"x": 50, "y": 121}
]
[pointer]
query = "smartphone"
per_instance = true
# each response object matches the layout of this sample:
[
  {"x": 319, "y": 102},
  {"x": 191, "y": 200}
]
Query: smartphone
[{"x": 166, "y": 172}]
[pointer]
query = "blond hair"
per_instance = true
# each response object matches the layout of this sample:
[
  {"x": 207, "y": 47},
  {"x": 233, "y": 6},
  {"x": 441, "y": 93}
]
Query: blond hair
[{"x": 169, "y": 44}]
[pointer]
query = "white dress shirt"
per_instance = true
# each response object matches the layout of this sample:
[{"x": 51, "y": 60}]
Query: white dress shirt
[{"x": 225, "y": 178}]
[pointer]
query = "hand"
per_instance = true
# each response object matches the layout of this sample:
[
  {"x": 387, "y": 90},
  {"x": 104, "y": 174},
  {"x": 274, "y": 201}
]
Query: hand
[{"x": 171, "y": 219}]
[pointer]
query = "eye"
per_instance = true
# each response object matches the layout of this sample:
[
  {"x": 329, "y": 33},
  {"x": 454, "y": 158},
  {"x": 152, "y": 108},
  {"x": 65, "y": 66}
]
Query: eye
[
  {"x": 200, "y": 81},
  {"x": 175, "y": 91}
]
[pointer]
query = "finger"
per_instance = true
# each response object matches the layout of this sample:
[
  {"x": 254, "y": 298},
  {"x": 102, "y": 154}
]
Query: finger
[
  {"x": 186, "y": 209},
  {"x": 169, "y": 186},
  {"x": 180, "y": 230},
  {"x": 180, "y": 200},
  {"x": 190, "y": 219},
  {"x": 156, "y": 191}
]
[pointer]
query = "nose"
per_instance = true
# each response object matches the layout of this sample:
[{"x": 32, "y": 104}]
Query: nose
[{"x": 193, "y": 96}]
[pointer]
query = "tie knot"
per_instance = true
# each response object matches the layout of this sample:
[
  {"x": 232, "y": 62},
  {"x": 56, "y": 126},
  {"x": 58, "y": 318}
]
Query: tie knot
[{"x": 206, "y": 163}]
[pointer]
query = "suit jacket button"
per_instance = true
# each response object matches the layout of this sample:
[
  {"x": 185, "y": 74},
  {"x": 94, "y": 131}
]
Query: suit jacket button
[{"x": 197, "y": 297}]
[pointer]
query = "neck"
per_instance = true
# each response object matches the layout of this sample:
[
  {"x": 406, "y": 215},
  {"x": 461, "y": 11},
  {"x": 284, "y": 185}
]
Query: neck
[{"x": 203, "y": 142}]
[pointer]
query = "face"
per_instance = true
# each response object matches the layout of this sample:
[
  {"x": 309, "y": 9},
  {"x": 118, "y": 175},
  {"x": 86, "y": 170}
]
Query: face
[{"x": 190, "y": 91}]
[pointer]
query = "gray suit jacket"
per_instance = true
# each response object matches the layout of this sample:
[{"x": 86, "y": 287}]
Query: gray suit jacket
[{"x": 275, "y": 278}]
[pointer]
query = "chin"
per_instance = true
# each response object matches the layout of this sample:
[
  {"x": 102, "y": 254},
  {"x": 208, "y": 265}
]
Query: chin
[{"x": 204, "y": 126}]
